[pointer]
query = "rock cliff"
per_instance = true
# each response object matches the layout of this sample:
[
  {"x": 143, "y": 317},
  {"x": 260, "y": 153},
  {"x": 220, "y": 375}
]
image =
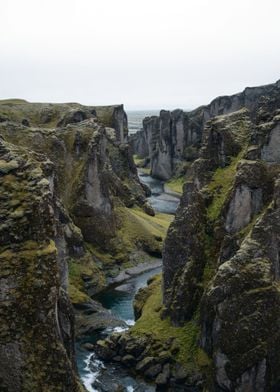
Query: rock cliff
[
  {"x": 221, "y": 254},
  {"x": 94, "y": 174},
  {"x": 72, "y": 216},
  {"x": 37, "y": 320},
  {"x": 173, "y": 137}
]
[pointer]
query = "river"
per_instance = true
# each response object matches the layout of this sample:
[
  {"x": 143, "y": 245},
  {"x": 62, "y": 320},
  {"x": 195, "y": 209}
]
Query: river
[
  {"x": 95, "y": 376},
  {"x": 160, "y": 200}
]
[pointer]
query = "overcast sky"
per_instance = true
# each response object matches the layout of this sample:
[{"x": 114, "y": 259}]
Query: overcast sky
[{"x": 144, "y": 53}]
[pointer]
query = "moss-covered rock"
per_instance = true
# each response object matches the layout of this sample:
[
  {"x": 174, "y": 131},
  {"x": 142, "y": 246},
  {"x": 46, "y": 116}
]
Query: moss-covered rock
[
  {"x": 175, "y": 137},
  {"x": 184, "y": 257},
  {"x": 220, "y": 255},
  {"x": 93, "y": 173},
  {"x": 36, "y": 334},
  {"x": 154, "y": 348},
  {"x": 73, "y": 215},
  {"x": 229, "y": 216}
]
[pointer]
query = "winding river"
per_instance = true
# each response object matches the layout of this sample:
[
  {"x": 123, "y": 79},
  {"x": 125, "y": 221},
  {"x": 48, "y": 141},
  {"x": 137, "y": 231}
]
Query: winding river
[
  {"x": 160, "y": 200},
  {"x": 95, "y": 376}
]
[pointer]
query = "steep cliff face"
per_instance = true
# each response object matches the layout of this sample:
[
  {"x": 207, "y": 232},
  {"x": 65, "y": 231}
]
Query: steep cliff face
[
  {"x": 221, "y": 255},
  {"x": 37, "y": 321},
  {"x": 73, "y": 215},
  {"x": 176, "y": 136},
  {"x": 94, "y": 171}
]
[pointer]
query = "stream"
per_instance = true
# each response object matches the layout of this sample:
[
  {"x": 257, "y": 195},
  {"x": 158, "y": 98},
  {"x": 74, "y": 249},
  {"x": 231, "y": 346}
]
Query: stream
[
  {"x": 160, "y": 200},
  {"x": 95, "y": 376}
]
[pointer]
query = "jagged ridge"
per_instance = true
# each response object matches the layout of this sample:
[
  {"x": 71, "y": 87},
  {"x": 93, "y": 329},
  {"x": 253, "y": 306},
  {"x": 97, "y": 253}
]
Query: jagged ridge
[{"x": 176, "y": 136}]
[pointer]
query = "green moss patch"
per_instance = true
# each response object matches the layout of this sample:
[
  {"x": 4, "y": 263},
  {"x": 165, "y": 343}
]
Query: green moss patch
[
  {"x": 176, "y": 184},
  {"x": 84, "y": 267},
  {"x": 139, "y": 162},
  {"x": 6, "y": 167},
  {"x": 12, "y": 101},
  {"x": 139, "y": 230},
  {"x": 142, "y": 164},
  {"x": 146, "y": 170},
  {"x": 220, "y": 185},
  {"x": 185, "y": 337}
]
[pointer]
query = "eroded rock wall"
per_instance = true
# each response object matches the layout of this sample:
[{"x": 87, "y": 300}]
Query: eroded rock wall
[
  {"x": 37, "y": 320},
  {"x": 175, "y": 136},
  {"x": 93, "y": 165},
  {"x": 221, "y": 254}
]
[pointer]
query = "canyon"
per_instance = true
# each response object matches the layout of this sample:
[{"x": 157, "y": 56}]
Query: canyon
[
  {"x": 76, "y": 215},
  {"x": 73, "y": 216}
]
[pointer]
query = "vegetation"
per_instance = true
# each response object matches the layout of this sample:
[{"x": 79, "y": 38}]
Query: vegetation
[
  {"x": 137, "y": 231},
  {"x": 219, "y": 186},
  {"x": 145, "y": 170},
  {"x": 185, "y": 337},
  {"x": 139, "y": 162},
  {"x": 138, "y": 228},
  {"x": 84, "y": 267},
  {"x": 13, "y": 101},
  {"x": 176, "y": 184}
]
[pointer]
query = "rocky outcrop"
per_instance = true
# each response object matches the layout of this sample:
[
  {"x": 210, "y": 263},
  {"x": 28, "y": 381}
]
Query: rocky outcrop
[
  {"x": 37, "y": 320},
  {"x": 94, "y": 171},
  {"x": 176, "y": 136},
  {"x": 143, "y": 356},
  {"x": 183, "y": 246},
  {"x": 221, "y": 267},
  {"x": 243, "y": 301},
  {"x": 151, "y": 357}
]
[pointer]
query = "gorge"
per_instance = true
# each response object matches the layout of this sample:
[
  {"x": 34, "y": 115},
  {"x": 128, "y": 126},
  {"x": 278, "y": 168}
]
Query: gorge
[{"x": 79, "y": 222}]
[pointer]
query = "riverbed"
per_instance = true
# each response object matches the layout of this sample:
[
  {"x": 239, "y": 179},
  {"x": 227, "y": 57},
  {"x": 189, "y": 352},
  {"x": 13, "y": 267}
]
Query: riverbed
[
  {"x": 160, "y": 200},
  {"x": 95, "y": 376}
]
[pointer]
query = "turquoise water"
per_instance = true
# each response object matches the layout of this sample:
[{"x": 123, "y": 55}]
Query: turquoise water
[
  {"x": 159, "y": 200},
  {"x": 95, "y": 375},
  {"x": 119, "y": 299}
]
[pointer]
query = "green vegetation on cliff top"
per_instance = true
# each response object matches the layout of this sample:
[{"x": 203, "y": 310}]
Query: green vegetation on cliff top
[
  {"x": 13, "y": 101},
  {"x": 48, "y": 115}
]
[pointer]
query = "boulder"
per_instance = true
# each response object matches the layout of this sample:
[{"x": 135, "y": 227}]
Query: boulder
[
  {"x": 128, "y": 360},
  {"x": 144, "y": 364},
  {"x": 103, "y": 350},
  {"x": 153, "y": 371}
]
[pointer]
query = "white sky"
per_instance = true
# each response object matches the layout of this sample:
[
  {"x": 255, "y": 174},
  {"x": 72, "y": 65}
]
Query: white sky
[{"x": 145, "y": 53}]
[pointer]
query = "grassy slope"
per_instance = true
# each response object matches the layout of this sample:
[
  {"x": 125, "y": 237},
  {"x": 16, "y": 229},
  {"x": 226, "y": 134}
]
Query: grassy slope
[
  {"x": 139, "y": 228},
  {"x": 220, "y": 185},
  {"x": 186, "y": 337},
  {"x": 136, "y": 227},
  {"x": 176, "y": 184},
  {"x": 87, "y": 267},
  {"x": 140, "y": 163},
  {"x": 18, "y": 109}
]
